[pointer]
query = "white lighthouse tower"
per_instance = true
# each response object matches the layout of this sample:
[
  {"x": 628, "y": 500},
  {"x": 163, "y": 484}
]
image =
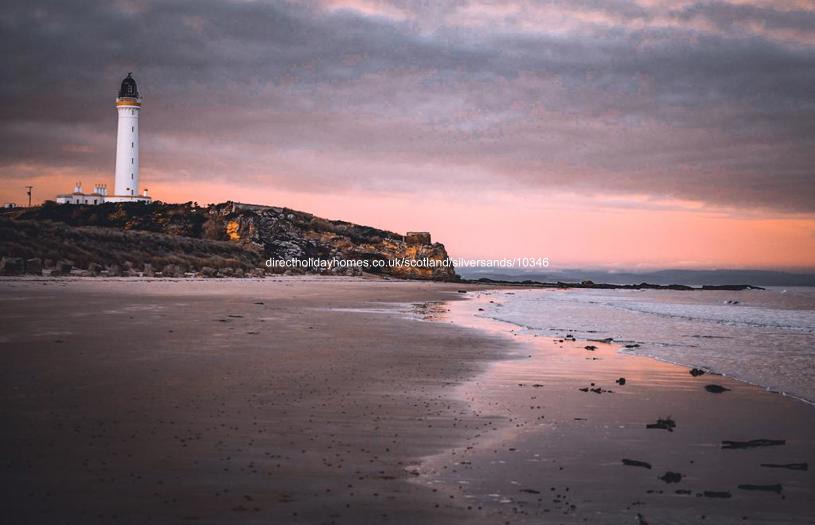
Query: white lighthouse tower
[{"x": 126, "y": 182}]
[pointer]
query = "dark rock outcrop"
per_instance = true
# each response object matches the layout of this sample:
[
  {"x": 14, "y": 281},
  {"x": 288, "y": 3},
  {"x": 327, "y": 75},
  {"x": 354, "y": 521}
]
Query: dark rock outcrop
[
  {"x": 224, "y": 237},
  {"x": 63, "y": 267},
  {"x": 33, "y": 266},
  {"x": 94, "y": 268},
  {"x": 12, "y": 266},
  {"x": 663, "y": 424},
  {"x": 636, "y": 463},
  {"x": 717, "y": 494},
  {"x": 671, "y": 477},
  {"x": 609, "y": 286},
  {"x": 776, "y": 487},
  {"x": 753, "y": 443},
  {"x": 790, "y": 466},
  {"x": 417, "y": 238},
  {"x": 288, "y": 235}
]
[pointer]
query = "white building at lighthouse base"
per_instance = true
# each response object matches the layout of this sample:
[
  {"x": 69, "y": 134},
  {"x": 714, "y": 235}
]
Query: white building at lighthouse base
[{"x": 98, "y": 196}]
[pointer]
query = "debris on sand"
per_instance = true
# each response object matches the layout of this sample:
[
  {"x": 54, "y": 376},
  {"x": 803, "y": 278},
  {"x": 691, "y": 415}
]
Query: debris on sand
[
  {"x": 663, "y": 424},
  {"x": 531, "y": 491},
  {"x": 636, "y": 463},
  {"x": 777, "y": 488},
  {"x": 620, "y": 381},
  {"x": 716, "y": 389},
  {"x": 717, "y": 494},
  {"x": 590, "y": 348},
  {"x": 671, "y": 477},
  {"x": 753, "y": 443},
  {"x": 633, "y": 345},
  {"x": 696, "y": 372},
  {"x": 791, "y": 466},
  {"x": 641, "y": 519},
  {"x": 595, "y": 389}
]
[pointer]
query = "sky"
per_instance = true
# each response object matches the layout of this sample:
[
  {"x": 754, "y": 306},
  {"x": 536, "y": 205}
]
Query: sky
[{"x": 601, "y": 134}]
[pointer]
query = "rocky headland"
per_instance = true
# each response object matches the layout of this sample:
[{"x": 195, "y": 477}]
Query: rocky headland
[{"x": 219, "y": 240}]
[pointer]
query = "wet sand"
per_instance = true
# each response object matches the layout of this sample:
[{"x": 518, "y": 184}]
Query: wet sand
[
  {"x": 314, "y": 400},
  {"x": 572, "y": 424},
  {"x": 130, "y": 401}
]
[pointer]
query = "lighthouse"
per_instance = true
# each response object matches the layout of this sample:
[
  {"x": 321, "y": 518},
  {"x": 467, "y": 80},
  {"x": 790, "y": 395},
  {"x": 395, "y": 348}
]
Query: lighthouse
[{"x": 126, "y": 180}]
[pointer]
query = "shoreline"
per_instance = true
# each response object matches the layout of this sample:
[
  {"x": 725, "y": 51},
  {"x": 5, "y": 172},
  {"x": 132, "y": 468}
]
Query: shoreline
[
  {"x": 711, "y": 371},
  {"x": 718, "y": 497},
  {"x": 483, "y": 282}
]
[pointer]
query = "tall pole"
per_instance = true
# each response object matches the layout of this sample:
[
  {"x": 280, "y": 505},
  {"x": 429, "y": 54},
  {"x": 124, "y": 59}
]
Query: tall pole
[{"x": 28, "y": 190}]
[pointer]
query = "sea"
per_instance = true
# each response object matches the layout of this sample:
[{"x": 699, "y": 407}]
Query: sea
[{"x": 764, "y": 337}]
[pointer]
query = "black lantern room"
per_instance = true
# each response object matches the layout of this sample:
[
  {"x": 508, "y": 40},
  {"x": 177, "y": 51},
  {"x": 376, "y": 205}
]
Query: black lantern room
[{"x": 129, "y": 89}]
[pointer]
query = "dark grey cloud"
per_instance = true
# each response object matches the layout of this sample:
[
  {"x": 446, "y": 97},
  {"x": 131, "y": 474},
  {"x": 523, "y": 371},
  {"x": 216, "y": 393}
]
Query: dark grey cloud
[{"x": 704, "y": 101}]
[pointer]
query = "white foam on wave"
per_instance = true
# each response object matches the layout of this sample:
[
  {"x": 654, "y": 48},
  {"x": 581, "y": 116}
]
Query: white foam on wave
[{"x": 766, "y": 338}]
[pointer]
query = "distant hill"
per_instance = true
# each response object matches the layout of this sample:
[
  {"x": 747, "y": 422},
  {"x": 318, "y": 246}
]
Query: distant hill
[
  {"x": 665, "y": 277},
  {"x": 220, "y": 239}
]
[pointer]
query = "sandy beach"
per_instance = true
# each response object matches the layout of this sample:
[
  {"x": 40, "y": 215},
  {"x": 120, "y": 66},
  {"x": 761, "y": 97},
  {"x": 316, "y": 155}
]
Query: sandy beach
[{"x": 339, "y": 400}]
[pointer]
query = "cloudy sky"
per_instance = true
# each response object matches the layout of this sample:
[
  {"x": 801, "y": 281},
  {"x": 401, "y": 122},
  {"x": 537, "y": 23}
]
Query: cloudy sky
[{"x": 645, "y": 133}]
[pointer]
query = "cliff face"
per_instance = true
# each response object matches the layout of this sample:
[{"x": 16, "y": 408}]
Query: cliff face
[
  {"x": 254, "y": 233},
  {"x": 287, "y": 235}
]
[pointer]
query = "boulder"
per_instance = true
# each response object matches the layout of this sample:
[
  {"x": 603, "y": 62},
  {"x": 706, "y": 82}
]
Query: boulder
[
  {"x": 148, "y": 270},
  {"x": 114, "y": 270},
  {"x": 33, "y": 266},
  {"x": 636, "y": 463},
  {"x": 94, "y": 269},
  {"x": 671, "y": 477},
  {"x": 727, "y": 444},
  {"x": 663, "y": 424},
  {"x": 173, "y": 270},
  {"x": 208, "y": 271},
  {"x": 12, "y": 266},
  {"x": 64, "y": 267}
]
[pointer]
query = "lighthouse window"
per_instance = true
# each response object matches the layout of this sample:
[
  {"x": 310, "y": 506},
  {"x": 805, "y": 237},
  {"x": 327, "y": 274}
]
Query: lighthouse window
[
  {"x": 131, "y": 160},
  {"x": 131, "y": 176},
  {"x": 132, "y": 145},
  {"x": 132, "y": 128}
]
